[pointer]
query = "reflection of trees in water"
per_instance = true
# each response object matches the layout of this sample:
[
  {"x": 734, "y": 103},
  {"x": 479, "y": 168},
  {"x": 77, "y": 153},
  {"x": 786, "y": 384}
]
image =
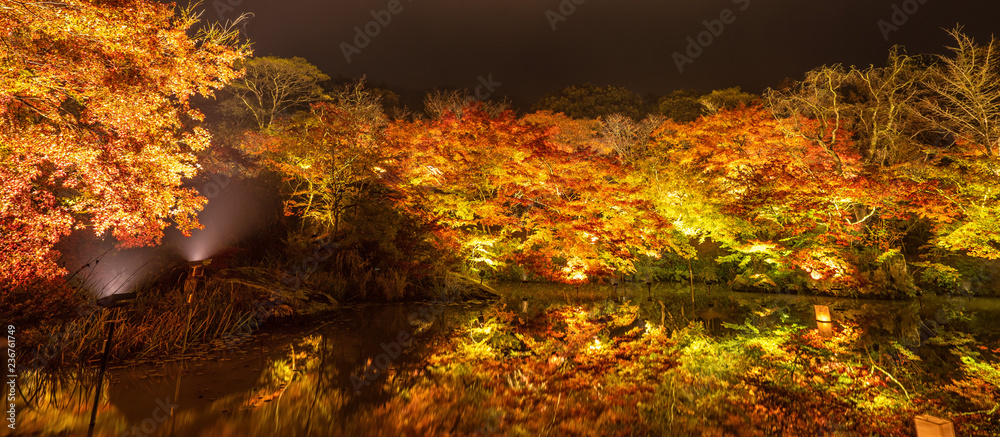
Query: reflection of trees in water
[
  {"x": 51, "y": 395},
  {"x": 883, "y": 322},
  {"x": 61, "y": 402},
  {"x": 310, "y": 391},
  {"x": 906, "y": 337},
  {"x": 306, "y": 388}
]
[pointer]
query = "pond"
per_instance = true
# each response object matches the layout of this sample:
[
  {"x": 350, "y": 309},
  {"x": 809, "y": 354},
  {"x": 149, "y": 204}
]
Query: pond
[{"x": 338, "y": 377}]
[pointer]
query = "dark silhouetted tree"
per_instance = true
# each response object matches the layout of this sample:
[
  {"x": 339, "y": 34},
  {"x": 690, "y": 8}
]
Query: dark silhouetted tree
[{"x": 592, "y": 101}]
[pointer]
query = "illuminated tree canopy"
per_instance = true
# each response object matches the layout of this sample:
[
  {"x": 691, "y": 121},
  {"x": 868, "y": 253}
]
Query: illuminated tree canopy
[
  {"x": 505, "y": 193},
  {"x": 97, "y": 131},
  {"x": 821, "y": 180}
]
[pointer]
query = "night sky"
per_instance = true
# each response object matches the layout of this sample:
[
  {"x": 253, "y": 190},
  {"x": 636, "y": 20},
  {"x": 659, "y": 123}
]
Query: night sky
[{"x": 631, "y": 43}]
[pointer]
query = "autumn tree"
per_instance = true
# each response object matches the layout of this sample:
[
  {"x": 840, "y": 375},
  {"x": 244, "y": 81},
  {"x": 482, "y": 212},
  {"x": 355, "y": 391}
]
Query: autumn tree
[
  {"x": 728, "y": 98},
  {"x": 627, "y": 138},
  {"x": 439, "y": 103},
  {"x": 502, "y": 192},
  {"x": 328, "y": 158},
  {"x": 916, "y": 122},
  {"x": 879, "y": 106},
  {"x": 275, "y": 86},
  {"x": 873, "y": 111},
  {"x": 592, "y": 101},
  {"x": 97, "y": 131},
  {"x": 965, "y": 103},
  {"x": 682, "y": 106},
  {"x": 966, "y": 86},
  {"x": 569, "y": 134},
  {"x": 773, "y": 199},
  {"x": 883, "y": 103},
  {"x": 816, "y": 98}
]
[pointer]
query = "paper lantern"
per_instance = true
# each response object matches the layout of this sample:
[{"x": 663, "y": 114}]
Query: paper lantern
[
  {"x": 823, "y": 320},
  {"x": 930, "y": 426}
]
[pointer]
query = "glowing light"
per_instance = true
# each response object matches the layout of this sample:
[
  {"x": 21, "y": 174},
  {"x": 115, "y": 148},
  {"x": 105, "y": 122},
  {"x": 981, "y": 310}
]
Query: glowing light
[
  {"x": 760, "y": 248},
  {"x": 481, "y": 251},
  {"x": 824, "y": 322},
  {"x": 575, "y": 270},
  {"x": 199, "y": 246},
  {"x": 822, "y": 265},
  {"x": 687, "y": 231},
  {"x": 483, "y": 330}
]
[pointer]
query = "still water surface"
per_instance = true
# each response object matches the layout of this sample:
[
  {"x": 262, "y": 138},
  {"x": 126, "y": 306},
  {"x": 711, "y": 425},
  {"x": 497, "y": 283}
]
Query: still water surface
[{"x": 313, "y": 380}]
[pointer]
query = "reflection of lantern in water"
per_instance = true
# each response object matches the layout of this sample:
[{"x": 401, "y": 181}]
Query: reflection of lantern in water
[
  {"x": 823, "y": 320},
  {"x": 930, "y": 426},
  {"x": 524, "y": 305},
  {"x": 194, "y": 277}
]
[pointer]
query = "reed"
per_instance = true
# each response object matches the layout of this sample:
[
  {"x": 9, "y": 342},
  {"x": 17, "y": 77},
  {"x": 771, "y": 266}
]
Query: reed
[{"x": 157, "y": 324}]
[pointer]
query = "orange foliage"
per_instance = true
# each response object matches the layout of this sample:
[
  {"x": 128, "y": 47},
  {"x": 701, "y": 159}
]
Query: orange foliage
[
  {"x": 96, "y": 131},
  {"x": 799, "y": 197},
  {"x": 507, "y": 180}
]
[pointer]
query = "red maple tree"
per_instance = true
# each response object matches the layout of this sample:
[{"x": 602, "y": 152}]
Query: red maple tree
[{"x": 96, "y": 129}]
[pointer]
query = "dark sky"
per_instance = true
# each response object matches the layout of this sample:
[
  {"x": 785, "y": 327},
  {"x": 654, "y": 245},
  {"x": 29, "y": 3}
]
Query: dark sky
[{"x": 631, "y": 43}]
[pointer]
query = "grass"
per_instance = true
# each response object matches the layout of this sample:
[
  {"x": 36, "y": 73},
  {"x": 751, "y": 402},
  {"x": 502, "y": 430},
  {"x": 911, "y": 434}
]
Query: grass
[{"x": 226, "y": 308}]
